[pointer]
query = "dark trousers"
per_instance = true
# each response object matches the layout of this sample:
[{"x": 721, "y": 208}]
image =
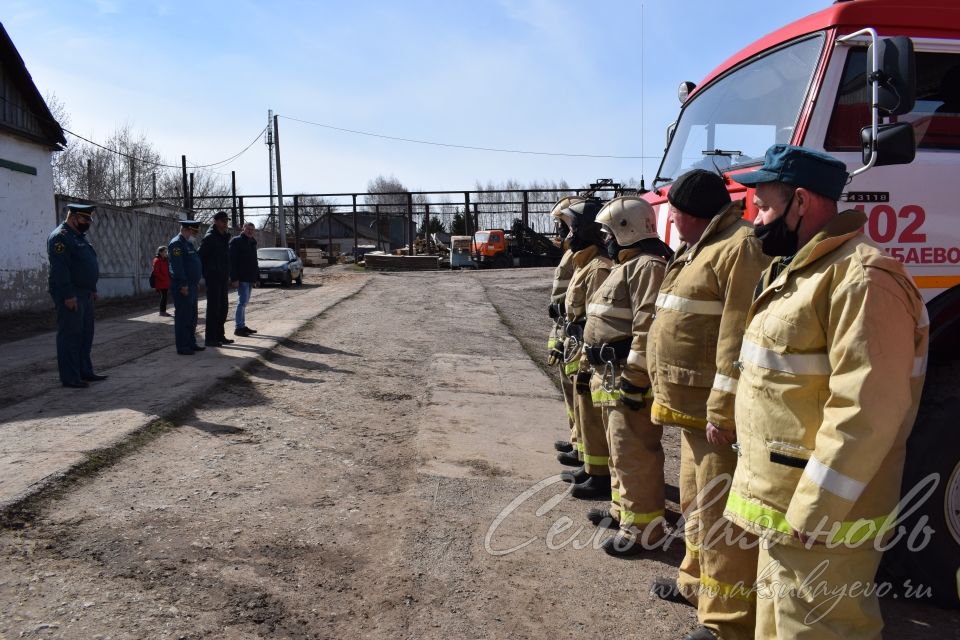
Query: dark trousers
[
  {"x": 185, "y": 318},
  {"x": 163, "y": 300},
  {"x": 75, "y": 339},
  {"x": 217, "y": 305}
]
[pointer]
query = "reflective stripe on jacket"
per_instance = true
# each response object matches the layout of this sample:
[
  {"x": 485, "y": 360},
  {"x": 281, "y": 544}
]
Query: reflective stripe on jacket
[
  {"x": 623, "y": 309},
  {"x": 833, "y": 363},
  {"x": 591, "y": 269},
  {"x": 701, "y": 311}
]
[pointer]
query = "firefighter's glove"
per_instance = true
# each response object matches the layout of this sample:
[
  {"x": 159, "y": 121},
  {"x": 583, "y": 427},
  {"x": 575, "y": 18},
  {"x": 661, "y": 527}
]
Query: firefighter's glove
[
  {"x": 583, "y": 383},
  {"x": 632, "y": 396},
  {"x": 554, "y": 351}
]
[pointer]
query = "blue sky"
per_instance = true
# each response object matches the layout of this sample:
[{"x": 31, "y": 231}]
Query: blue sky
[{"x": 561, "y": 76}]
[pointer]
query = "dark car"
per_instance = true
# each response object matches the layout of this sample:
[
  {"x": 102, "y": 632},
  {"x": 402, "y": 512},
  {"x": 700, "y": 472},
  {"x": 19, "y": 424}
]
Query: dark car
[{"x": 279, "y": 264}]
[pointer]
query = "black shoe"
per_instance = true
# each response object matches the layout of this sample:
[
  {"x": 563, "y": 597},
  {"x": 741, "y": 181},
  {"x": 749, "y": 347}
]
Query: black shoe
[
  {"x": 574, "y": 477},
  {"x": 701, "y": 633},
  {"x": 622, "y": 546},
  {"x": 185, "y": 353},
  {"x": 226, "y": 341},
  {"x": 94, "y": 378},
  {"x": 197, "y": 347},
  {"x": 242, "y": 332},
  {"x": 76, "y": 385},
  {"x": 593, "y": 488},
  {"x": 563, "y": 446},
  {"x": 602, "y": 518},
  {"x": 249, "y": 330},
  {"x": 569, "y": 458},
  {"x": 667, "y": 589}
]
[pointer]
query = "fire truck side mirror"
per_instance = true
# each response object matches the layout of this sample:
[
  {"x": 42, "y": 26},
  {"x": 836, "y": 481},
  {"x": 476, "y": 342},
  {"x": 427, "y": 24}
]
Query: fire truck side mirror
[
  {"x": 896, "y": 73},
  {"x": 895, "y": 144}
]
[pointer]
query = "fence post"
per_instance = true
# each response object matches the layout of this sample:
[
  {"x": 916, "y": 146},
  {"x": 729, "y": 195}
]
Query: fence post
[
  {"x": 355, "y": 238},
  {"x": 412, "y": 232},
  {"x": 183, "y": 167},
  {"x": 241, "y": 211},
  {"x": 466, "y": 214},
  {"x": 296, "y": 224},
  {"x": 233, "y": 201},
  {"x": 329, "y": 233}
]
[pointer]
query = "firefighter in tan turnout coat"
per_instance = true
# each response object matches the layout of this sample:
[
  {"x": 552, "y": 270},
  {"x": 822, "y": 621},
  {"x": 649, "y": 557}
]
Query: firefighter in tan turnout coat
[
  {"x": 615, "y": 345},
  {"x": 693, "y": 344},
  {"x": 833, "y": 363},
  {"x": 558, "y": 293},
  {"x": 592, "y": 269}
]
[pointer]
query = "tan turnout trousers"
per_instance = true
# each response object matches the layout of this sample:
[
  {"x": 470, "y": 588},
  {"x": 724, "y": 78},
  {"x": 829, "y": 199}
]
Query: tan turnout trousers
[
  {"x": 716, "y": 574},
  {"x": 636, "y": 463}
]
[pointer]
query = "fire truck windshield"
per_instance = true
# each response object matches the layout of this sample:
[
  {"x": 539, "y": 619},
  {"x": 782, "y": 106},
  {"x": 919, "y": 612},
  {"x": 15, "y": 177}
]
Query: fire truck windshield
[{"x": 747, "y": 110}]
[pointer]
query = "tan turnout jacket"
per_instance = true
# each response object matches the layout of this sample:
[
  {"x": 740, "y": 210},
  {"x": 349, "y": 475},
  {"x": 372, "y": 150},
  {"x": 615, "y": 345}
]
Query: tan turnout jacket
[
  {"x": 558, "y": 292},
  {"x": 622, "y": 309},
  {"x": 591, "y": 269},
  {"x": 833, "y": 363},
  {"x": 701, "y": 311}
]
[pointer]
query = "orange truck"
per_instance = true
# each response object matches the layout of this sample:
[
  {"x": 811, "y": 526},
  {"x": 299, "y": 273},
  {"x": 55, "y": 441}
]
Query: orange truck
[
  {"x": 492, "y": 248},
  {"x": 817, "y": 83}
]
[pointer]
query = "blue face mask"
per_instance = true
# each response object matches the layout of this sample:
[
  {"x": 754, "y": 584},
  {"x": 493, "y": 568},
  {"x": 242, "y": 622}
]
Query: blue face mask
[{"x": 776, "y": 238}]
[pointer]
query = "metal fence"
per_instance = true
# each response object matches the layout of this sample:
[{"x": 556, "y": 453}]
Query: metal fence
[{"x": 126, "y": 242}]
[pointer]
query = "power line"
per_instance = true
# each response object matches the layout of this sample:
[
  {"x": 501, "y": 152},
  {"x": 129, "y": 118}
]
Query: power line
[
  {"x": 160, "y": 164},
  {"x": 470, "y": 147},
  {"x": 127, "y": 155}
]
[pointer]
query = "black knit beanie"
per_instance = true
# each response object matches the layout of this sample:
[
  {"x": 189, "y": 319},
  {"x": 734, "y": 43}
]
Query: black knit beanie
[{"x": 699, "y": 193}]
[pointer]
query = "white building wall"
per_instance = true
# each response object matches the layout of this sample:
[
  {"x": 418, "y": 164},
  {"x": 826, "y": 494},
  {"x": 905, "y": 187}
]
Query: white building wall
[{"x": 27, "y": 216}]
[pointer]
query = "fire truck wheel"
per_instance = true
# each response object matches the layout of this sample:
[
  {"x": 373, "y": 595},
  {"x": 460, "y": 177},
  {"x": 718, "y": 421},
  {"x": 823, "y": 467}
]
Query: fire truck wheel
[{"x": 933, "y": 450}]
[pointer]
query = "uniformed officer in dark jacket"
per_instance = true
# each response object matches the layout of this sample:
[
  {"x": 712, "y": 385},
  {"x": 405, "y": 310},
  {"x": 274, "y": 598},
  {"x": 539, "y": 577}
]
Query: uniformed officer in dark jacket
[
  {"x": 73, "y": 286},
  {"x": 185, "y": 271},
  {"x": 215, "y": 256}
]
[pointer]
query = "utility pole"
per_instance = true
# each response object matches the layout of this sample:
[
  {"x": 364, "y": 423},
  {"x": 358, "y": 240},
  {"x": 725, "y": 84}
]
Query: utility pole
[
  {"x": 133, "y": 181},
  {"x": 281, "y": 220},
  {"x": 233, "y": 206},
  {"x": 269, "y": 142},
  {"x": 154, "y": 186},
  {"x": 89, "y": 179},
  {"x": 191, "y": 192},
  {"x": 183, "y": 171}
]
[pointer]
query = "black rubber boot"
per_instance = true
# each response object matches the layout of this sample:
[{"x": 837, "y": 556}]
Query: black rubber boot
[
  {"x": 701, "y": 633},
  {"x": 574, "y": 477},
  {"x": 563, "y": 446},
  {"x": 570, "y": 459},
  {"x": 622, "y": 546},
  {"x": 667, "y": 589},
  {"x": 593, "y": 488},
  {"x": 602, "y": 518}
]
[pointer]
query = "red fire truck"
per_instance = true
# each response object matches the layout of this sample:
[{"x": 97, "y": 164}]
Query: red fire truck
[{"x": 809, "y": 84}]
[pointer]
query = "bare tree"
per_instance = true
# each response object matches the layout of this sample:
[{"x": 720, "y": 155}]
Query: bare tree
[{"x": 124, "y": 169}]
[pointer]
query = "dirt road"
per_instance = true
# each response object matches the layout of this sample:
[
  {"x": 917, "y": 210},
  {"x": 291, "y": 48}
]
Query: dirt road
[{"x": 357, "y": 483}]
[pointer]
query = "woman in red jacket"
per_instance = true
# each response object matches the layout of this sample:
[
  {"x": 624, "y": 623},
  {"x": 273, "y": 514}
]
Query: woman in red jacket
[{"x": 161, "y": 277}]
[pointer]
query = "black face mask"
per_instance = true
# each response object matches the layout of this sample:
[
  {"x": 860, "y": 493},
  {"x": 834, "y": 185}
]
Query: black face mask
[
  {"x": 82, "y": 227},
  {"x": 776, "y": 238},
  {"x": 613, "y": 249}
]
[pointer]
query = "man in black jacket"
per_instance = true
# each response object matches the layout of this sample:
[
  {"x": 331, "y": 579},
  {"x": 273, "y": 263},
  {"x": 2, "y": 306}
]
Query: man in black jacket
[
  {"x": 244, "y": 270},
  {"x": 215, "y": 257}
]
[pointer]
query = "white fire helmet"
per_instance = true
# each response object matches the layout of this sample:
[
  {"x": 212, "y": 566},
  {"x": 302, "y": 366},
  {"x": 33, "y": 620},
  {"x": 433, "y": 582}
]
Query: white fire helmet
[
  {"x": 630, "y": 219},
  {"x": 561, "y": 210}
]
